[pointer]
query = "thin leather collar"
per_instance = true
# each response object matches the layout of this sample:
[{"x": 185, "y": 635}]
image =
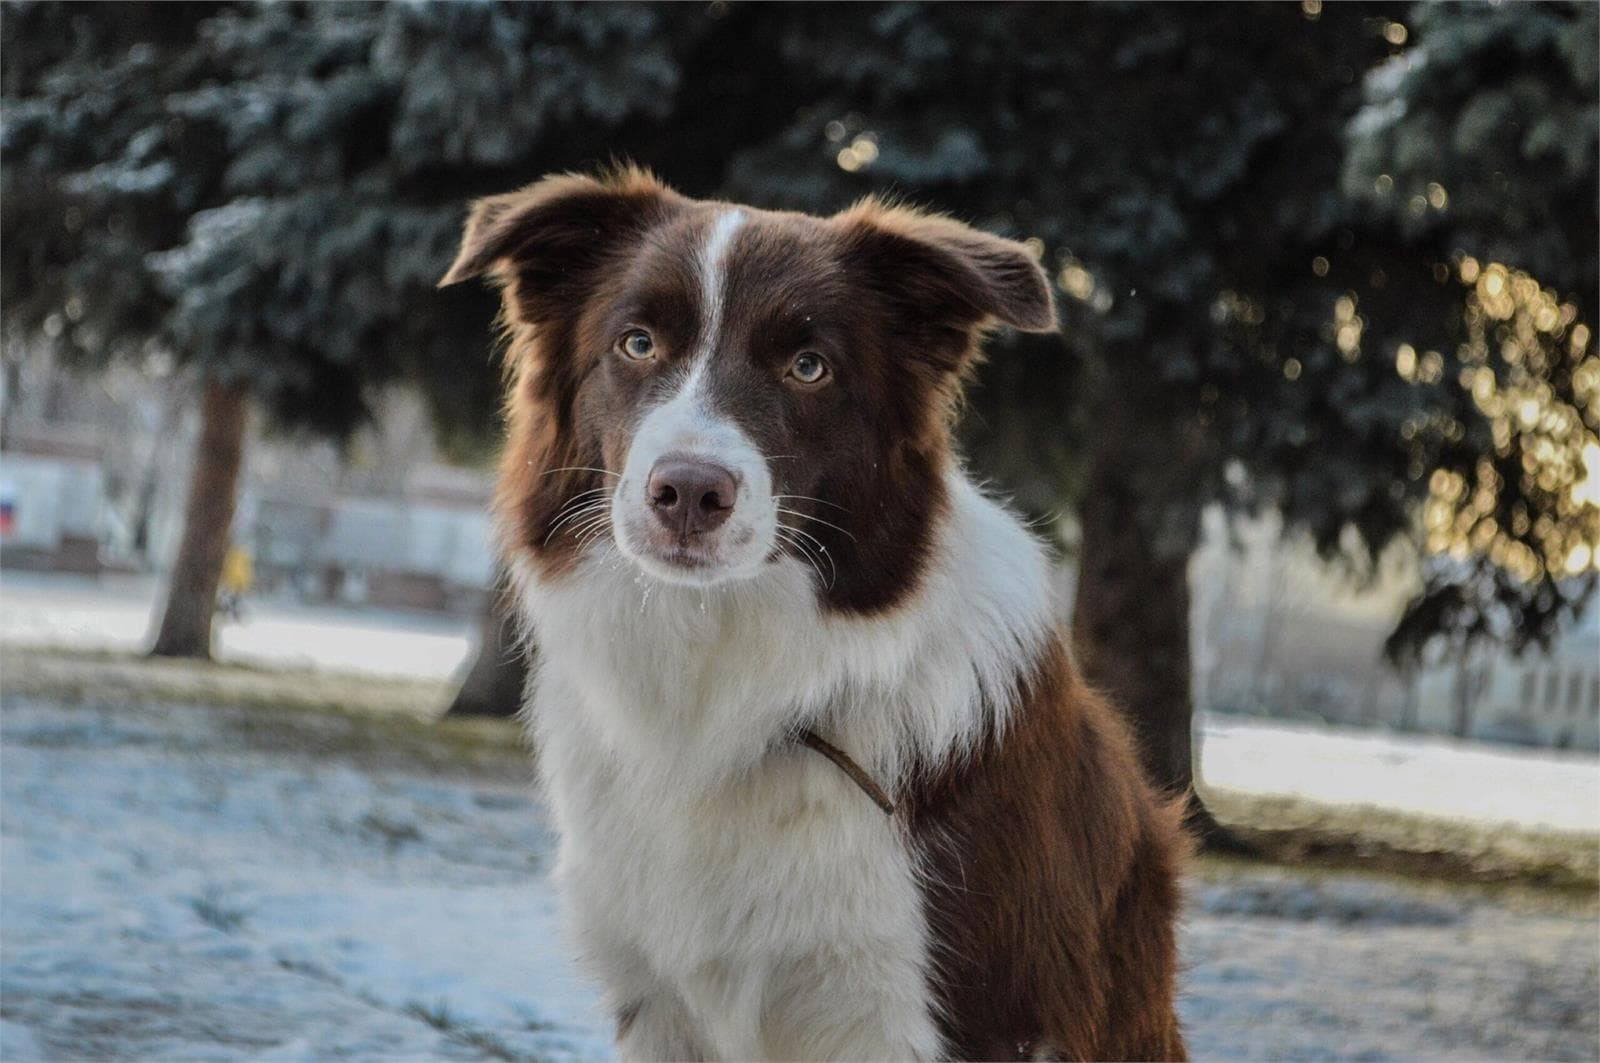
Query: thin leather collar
[{"x": 854, "y": 771}]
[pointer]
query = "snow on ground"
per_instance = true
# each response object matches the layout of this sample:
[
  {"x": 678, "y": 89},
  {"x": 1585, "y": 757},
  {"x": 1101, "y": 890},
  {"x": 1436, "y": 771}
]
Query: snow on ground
[
  {"x": 1431, "y": 776},
  {"x": 170, "y": 892},
  {"x": 206, "y": 882},
  {"x": 115, "y": 613}
]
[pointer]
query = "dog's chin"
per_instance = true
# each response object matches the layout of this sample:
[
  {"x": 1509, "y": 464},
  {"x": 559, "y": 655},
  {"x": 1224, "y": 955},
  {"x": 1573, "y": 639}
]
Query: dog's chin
[{"x": 694, "y": 565}]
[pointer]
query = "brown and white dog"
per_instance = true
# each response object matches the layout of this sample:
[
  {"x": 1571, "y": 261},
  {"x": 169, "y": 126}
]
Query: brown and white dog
[{"x": 742, "y": 540}]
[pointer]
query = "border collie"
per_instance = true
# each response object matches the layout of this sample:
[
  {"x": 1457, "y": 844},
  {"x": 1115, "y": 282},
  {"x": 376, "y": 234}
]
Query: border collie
[{"x": 827, "y": 781}]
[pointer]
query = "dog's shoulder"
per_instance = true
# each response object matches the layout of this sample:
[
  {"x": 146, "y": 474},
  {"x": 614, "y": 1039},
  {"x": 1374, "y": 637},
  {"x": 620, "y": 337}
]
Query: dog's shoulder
[{"x": 1053, "y": 879}]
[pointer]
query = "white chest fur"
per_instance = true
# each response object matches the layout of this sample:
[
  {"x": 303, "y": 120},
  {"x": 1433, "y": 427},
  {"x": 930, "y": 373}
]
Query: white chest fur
[
  {"x": 730, "y": 912},
  {"x": 737, "y": 895}
]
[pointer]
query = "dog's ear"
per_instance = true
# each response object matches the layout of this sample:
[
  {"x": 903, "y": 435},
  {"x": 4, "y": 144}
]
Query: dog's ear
[
  {"x": 543, "y": 241},
  {"x": 940, "y": 269}
]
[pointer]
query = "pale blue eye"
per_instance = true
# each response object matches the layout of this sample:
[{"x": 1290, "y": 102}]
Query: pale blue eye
[
  {"x": 637, "y": 344},
  {"x": 808, "y": 368}
]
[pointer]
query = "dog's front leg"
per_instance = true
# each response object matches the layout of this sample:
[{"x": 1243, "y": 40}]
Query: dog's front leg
[
  {"x": 657, "y": 1027},
  {"x": 725, "y": 999},
  {"x": 867, "y": 1004}
]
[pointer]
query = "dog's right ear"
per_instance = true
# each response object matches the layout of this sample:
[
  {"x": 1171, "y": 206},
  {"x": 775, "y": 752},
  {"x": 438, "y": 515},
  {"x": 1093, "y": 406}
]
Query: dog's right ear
[{"x": 545, "y": 240}]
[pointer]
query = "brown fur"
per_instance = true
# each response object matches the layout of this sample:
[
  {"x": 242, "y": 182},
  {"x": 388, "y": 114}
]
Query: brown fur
[{"x": 1053, "y": 885}]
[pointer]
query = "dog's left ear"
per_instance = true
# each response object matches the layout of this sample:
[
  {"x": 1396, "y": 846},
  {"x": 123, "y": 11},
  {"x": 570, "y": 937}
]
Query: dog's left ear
[
  {"x": 544, "y": 241},
  {"x": 940, "y": 269}
]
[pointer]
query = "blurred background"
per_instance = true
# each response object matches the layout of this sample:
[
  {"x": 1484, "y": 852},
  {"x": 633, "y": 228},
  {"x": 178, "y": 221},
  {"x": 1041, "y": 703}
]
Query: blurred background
[{"x": 1319, "y": 447}]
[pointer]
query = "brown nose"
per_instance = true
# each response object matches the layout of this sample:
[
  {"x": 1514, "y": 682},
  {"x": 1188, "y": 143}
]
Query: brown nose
[{"x": 691, "y": 497}]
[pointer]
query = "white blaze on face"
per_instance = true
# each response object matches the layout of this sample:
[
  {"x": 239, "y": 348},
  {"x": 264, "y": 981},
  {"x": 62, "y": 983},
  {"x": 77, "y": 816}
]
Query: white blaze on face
[{"x": 686, "y": 427}]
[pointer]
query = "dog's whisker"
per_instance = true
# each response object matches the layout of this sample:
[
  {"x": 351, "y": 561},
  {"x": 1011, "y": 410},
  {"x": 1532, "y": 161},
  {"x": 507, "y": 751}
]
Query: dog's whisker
[
  {"x": 801, "y": 551},
  {"x": 820, "y": 548},
  {"x": 568, "y": 513},
  {"x": 595, "y": 529},
  {"x": 796, "y": 548},
  {"x": 589, "y": 517},
  {"x": 819, "y": 520},
  {"x": 582, "y": 495},
  {"x": 812, "y": 539},
  {"x": 579, "y": 497},
  {"x": 581, "y": 529},
  {"x": 812, "y": 498},
  {"x": 590, "y": 535},
  {"x": 577, "y": 514},
  {"x": 799, "y": 545}
]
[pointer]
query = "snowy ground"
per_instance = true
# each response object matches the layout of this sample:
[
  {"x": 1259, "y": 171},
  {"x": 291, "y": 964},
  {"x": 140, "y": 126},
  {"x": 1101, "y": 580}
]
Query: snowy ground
[
  {"x": 1430, "y": 776},
  {"x": 179, "y": 883},
  {"x": 205, "y": 882},
  {"x": 114, "y": 613}
]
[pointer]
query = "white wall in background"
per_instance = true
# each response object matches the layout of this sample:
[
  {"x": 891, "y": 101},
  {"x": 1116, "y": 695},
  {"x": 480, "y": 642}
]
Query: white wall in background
[{"x": 52, "y": 498}]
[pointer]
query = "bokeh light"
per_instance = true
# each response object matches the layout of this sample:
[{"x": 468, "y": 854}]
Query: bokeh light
[{"x": 1530, "y": 370}]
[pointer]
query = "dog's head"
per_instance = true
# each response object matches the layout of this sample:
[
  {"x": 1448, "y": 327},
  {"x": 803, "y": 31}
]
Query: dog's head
[{"x": 717, "y": 389}]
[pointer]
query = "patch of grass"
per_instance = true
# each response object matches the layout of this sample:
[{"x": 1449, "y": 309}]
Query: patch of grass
[
  {"x": 438, "y": 1016},
  {"x": 307, "y": 969},
  {"x": 375, "y": 722},
  {"x": 1300, "y": 833},
  {"x": 214, "y": 910},
  {"x": 394, "y": 833},
  {"x": 487, "y": 1043},
  {"x": 73, "y": 675}
]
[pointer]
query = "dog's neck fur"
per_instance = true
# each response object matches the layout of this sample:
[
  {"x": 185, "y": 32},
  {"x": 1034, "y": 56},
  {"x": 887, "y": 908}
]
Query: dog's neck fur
[{"x": 702, "y": 684}]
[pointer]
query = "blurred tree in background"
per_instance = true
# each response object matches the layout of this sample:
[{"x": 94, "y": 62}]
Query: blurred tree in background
[
  {"x": 1478, "y": 148},
  {"x": 1278, "y": 228},
  {"x": 265, "y": 193},
  {"x": 92, "y": 185},
  {"x": 135, "y": 229}
]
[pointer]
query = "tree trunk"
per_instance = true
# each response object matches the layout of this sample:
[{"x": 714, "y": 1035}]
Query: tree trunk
[
  {"x": 207, "y": 525},
  {"x": 1130, "y": 624},
  {"x": 1470, "y": 682},
  {"x": 1408, "y": 700},
  {"x": 494, "y": 683}
]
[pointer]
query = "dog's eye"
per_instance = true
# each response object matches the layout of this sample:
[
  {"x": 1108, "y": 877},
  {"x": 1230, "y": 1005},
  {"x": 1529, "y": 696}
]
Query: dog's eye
[
  {"x": 808, "y": 368},
  {"x": 637, "y": 344}
]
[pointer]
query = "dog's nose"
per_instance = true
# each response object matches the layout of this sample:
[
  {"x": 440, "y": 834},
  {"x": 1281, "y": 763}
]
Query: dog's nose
[{"x": 691, "y": 497}]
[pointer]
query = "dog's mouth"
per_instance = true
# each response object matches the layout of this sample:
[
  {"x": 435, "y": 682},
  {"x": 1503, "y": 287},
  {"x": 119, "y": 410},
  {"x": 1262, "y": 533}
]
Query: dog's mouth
[
  {"x": 697, "y": 560},
  {"x": 688, "y": 558}
]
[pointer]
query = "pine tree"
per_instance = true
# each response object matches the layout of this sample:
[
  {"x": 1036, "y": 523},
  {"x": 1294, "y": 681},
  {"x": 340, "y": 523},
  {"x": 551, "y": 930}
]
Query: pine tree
[{"x": 1258, "y": 313}]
